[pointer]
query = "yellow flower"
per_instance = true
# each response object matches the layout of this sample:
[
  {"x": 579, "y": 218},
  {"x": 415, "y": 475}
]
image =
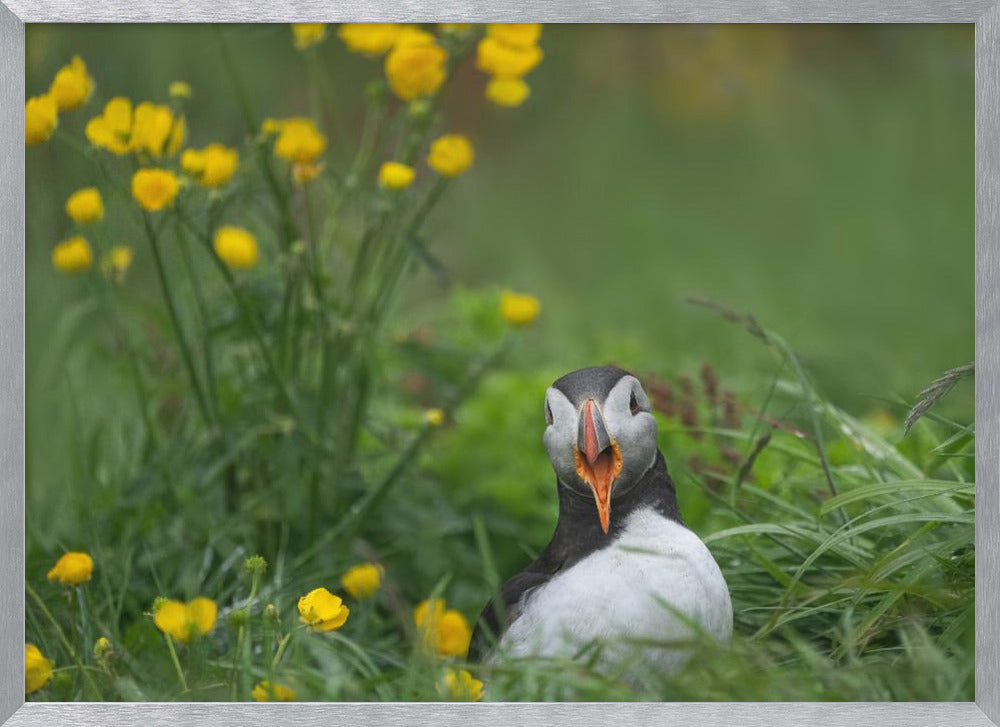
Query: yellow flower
[
  {"x": 393, "y": 175},
  {"x": 304, "y": 172},
  {"x": 299, "y": 140},
  {"x": 41, "y": 117},
  {"x": 178, "y": 133},
  {"x": 37, "y": 669},
  {"x": 267, "y": 692},
  {"x": 307, "y": 34},
  {"x": 236, "y": 247},
  {"x": 362, "y": 580},
  {"x": 434, "y": 417},
  {"x": 185, "y": 621},
  {"x": 117, "y": 261},
  {"x": 154, "y": 189},
  {"x": 72, "y": 85},
  {"x": 270, "y": 126},
  {"x": 212, "y": 166},
  {"x": 450, "y": 155},
  {"x": 112, "y": 129},
  {"x": 507, "y": 91},
  {"x": 444, "y": 630},
  {"x": 72, "y": 569},
  {"x": 72, "y": 256},
  {"x": 85, "y": 205},
  {"x": 369, "y": 38},
  {"x": 505, "y": 60},
  {"x": 518, "y": 35},
  {"x": 179, "y": 89},
  {"x": 416, "y": 66},
  {"x": 519, "y": 309},
  {"x": 152, "y": 125},
  {"x": 462, "y": 687},
  {"x": 322, "y": 610}
]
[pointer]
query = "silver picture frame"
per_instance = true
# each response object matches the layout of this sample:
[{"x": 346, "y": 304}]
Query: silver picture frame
[{"x": 985, "y": 14}]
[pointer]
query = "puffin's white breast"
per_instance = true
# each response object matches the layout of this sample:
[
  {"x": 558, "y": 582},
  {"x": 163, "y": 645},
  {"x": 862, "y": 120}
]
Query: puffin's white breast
[{"x": 647, "y": 586}]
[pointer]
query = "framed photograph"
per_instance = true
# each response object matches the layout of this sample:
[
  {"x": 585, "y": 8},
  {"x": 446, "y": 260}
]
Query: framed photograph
[{"x": 557, "y": 366}]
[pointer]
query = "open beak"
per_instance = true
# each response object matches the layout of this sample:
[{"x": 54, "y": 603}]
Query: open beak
[{"x": 598, "y": 459}]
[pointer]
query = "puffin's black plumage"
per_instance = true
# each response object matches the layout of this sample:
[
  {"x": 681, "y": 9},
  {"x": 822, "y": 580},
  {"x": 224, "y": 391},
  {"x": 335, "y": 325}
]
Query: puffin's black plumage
[{"x": 578, "y": 530}]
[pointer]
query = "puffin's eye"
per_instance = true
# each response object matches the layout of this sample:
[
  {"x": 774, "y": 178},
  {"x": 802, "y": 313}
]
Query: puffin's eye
[
  {"x": 548, "y": 413},
  {"x": 633, "y": 404}
]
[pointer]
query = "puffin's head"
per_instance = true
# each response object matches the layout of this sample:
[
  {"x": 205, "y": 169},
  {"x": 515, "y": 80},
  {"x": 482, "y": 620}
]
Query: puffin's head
[{"x": 601, "y": 436}]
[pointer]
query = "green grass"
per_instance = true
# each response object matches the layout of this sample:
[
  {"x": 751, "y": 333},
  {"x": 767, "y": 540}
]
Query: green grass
[{"x": 619, "y": 190}]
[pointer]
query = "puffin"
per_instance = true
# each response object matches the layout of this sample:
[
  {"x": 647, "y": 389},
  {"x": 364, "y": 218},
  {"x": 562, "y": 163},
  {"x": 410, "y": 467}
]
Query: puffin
[{"x": 623, "y": 579}]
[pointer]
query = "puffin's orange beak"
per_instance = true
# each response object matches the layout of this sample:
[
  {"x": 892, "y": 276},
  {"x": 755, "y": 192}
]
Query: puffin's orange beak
[{"x": 598, "y": 459}]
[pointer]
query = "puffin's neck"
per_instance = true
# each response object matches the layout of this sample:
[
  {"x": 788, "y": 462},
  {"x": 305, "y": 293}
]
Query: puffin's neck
[{"x": 578, "y": 531}]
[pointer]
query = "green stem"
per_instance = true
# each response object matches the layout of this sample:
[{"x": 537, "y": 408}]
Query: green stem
[
  {"x": 199, "y": 297},
  {"x": 250, "y": 318},
  {"x": 177, "y": 662},
  {"x": 64, "y": 640},
  {"x": 282, "y": 645},
  {"x": 176, "y": 320}
]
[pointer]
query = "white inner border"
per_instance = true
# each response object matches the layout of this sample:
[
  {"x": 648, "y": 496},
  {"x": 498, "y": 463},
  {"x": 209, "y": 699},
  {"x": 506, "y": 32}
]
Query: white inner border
[{"x": 985, "y": 711}]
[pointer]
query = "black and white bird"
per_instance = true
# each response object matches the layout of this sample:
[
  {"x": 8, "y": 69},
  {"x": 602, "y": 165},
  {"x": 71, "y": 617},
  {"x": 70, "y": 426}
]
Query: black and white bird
[{"x": 622, "y": 571}]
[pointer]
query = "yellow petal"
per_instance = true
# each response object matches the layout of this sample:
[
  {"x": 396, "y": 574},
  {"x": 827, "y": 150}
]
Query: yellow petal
[
  {"x": 172, "y": 618},
  {"x": 202, "y": 613}
]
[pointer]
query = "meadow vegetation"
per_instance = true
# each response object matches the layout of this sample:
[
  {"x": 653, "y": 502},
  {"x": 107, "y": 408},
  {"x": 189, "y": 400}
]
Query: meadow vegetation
[{"x": 287, "y": 356}]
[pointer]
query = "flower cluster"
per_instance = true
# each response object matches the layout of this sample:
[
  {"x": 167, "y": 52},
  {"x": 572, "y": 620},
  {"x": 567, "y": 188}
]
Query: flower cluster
[
  {"x": 444, "y": 630},
  {"x": 508, "y": 52},
  {"x": 186, "y": 621},
  {"x": 70, "y": 89},
  {"x": 149, "y": 128}
]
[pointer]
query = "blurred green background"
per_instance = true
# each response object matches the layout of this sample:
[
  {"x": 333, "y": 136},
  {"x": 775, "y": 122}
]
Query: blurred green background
[{"x": 820, "y": 177}]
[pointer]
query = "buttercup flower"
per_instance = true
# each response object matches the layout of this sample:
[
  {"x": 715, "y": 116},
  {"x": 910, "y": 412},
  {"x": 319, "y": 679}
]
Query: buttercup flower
[
  {"x": 307, "y": 34},
  {"x": 152, "y": 125},
  {"x": 299, "y": 140},
  {"x": 85, "y": 205},
  {"x": 185, "y": 621},
  {"x": 369, "y": 38},
  {"x": 265, "y": 691},
  {"x": 178, "y": 133},
  {"x": 72, "y": 569},
  {"x": 450, "y": 155},
  {"x": 37, "y": 669},
  {"x": 500, "y": 59},
  {"x": 72, "y": 85},
  {"x": 179, "y": 89},
  {"x": 393, "y": 175},
  {"x": 519, "y": 309},
  {"x": 444, "y": 630},
  {"x": 434, "y": 417},
  {"x": 41, "y": 116},
  {"x": 154, "y": 189},
  {"x": 507, "y": 91},
  {"x": 416, "y": 65},
  {"x": 117, "y": 261},
  {"x": 322, "y": 611},
  {"x": 362, "y": 580},
  {"x": 462, "y": 687},
  {"x": 72, "y": 256},
  {"x": 212, "y": 166},
  {"x": 236, "y": 247},
  {"x": 112, "y": 129},
  {"x": 518, "y": 35}
]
